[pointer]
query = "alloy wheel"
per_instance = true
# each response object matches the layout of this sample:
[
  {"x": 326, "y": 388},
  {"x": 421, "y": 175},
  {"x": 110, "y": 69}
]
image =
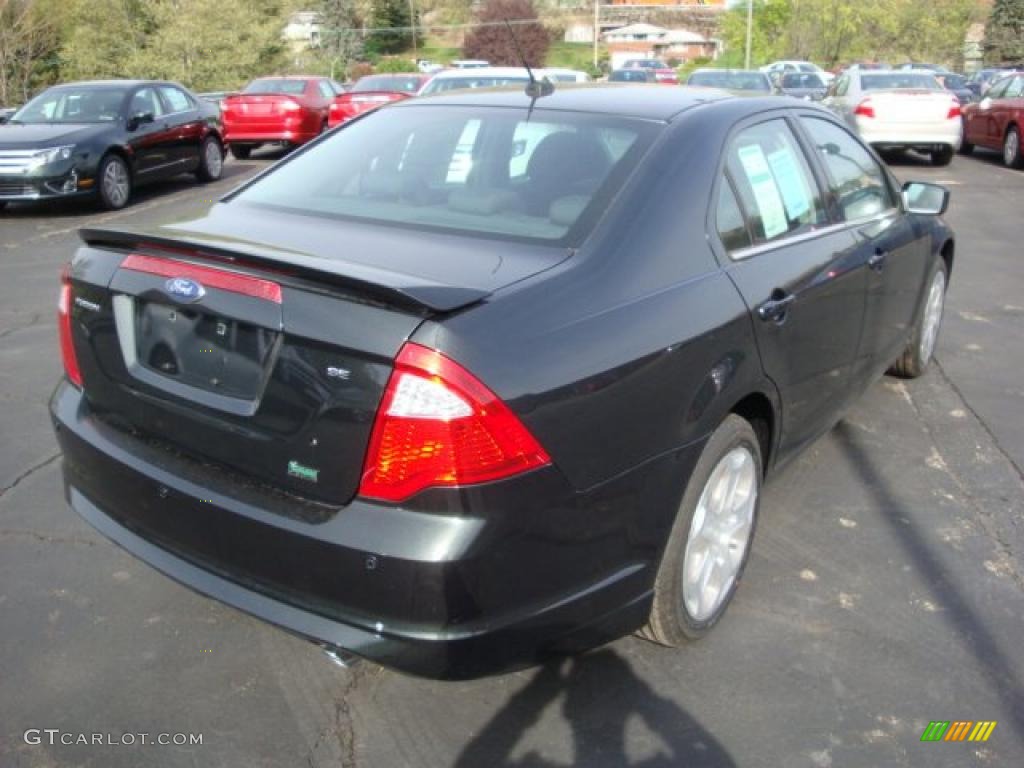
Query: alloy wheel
[
  {"x": 214, "y": 159},
  {"x": 116, "y": 185},
  {"x": 932, "y": 316},
  {"x": 719, "y": 533},
  {"x": 1011, "y": 148}
]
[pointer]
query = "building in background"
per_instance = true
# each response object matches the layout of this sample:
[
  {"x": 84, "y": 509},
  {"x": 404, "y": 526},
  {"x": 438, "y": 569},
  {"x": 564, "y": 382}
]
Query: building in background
[{"x": 648, "y": 41}]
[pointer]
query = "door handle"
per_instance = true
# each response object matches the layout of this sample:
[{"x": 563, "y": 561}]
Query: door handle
[
  {"x": 877, "y": 260},
  {"x": 776, "y": 307}
]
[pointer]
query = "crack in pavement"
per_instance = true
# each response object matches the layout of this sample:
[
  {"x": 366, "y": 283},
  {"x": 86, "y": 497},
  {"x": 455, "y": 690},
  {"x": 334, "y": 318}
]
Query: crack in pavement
[
  {"x": 29, "y": 472},
  {"x": 46, "y": 539},
  {"x": 14, "y": 329}
]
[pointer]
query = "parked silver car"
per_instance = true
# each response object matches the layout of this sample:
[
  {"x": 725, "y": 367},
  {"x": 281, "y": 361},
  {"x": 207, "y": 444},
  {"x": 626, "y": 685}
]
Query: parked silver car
[{"x": 893, "y": 109}]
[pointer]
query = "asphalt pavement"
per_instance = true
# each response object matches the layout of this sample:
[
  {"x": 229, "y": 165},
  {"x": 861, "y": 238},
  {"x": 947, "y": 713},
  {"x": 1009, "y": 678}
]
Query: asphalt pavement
[{"x": 885, "y": 588}]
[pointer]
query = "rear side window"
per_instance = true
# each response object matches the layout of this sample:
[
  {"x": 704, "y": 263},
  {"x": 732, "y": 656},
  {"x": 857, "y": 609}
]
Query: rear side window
[
  {"x": 325, "y": 89},
  {"x": 775, "y": 184},
  {"x": 732, "y": 229},
  {"x": 855, "y": 177},
  {"x": 176, "y": 99}
]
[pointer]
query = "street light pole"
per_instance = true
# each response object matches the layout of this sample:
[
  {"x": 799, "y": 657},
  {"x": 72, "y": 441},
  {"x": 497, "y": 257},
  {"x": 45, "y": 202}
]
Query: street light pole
[
  {"x": 412, "y": 23},
  {"x": 750, "y": 27},
  {"x": 596, "y": 29}
]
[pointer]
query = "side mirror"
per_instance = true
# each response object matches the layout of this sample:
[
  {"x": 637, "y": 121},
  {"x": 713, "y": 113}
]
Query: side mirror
[
  {"x": 139, "y": 118},
  {"x": 929, "y": 199},
  {"x": 985, "y": 103}
]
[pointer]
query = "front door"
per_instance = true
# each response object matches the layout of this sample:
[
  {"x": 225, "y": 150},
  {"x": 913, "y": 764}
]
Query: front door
[
  {"x": 797, "y": 272},
  {"x": 152, "y": 143},
  {"x": 893, "y": 249}
]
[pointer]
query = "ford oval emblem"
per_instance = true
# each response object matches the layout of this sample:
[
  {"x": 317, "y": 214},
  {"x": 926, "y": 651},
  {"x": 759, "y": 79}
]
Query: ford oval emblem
[{"x": 184, "y": 289}]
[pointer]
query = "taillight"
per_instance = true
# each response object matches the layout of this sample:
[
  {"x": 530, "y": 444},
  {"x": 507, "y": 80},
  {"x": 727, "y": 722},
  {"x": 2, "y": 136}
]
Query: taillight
[
  {"x": 954, "y": 110},
  {"x": 865, "y": 109},
  {"x": 290, "y": 106},
  {"x": 67, "y": 348},
  {"x": 438, "y": 425}
]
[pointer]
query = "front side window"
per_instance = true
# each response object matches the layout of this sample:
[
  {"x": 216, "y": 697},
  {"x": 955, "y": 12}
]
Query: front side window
[
  {"x": 997, "y": 90},
  {"x": 855, "y": 177},
  {"x": 497, "y": 171},
  {"x": 774, "y": 182}
]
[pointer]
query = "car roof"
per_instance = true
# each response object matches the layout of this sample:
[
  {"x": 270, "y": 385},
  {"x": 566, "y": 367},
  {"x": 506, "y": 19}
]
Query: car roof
[
  {"x": 643, "y": 101},
  {"x": 108, "y": 83},
  {"x": 482, "y": 72}
]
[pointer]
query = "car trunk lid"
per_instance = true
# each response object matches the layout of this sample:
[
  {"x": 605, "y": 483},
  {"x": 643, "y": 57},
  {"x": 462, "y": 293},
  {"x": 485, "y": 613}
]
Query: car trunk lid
[
  {"x": 267, "y": 361},
  {"x": 911, "y": 106}
]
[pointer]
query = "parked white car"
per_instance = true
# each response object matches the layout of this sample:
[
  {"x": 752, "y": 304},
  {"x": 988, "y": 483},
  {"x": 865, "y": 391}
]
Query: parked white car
[
  {"x": 797, "y": 66},
  {"x": 476, "y": 77},
  {"x": 893, "y": 109},
  {"x": 557, "y": 75}
]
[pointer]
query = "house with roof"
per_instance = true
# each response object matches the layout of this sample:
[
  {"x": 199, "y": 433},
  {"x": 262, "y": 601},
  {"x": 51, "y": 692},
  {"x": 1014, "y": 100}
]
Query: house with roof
[{"x": 648, "y": 41}]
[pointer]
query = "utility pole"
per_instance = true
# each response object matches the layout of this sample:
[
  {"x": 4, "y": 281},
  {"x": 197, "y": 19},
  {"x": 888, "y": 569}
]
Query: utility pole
[
  {"x": 412, "y": 23},
  {"x": 750, "y": 27},
  {"x": 597, "y": 28}
]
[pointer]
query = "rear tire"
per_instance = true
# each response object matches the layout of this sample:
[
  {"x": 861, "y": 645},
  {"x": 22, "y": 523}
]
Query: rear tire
[
  {"x": 240, "y": 151},
  {"x": 942, "y": 157},
  {"x": 115, "y": 183},
  {"x": 709, "y": 544},
  {"x": 3, "y": 204},
  {"x": 211, "y": 159},
  {"x": 918, "y": 354},
  {"x": 1012, "y": 156}
]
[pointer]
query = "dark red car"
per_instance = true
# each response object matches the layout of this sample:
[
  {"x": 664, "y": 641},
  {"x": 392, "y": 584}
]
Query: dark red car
[
  {"x": 280, "y": 110},
  {"x": 996, "y": 122},
  {"x": 371, "y": 92}
]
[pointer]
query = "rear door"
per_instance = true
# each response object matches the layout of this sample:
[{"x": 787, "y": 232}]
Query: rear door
[
  {"x": 894, "y": 250},
  {"x": 797, "y": 271},
  {"x": 184, "y": 119}
]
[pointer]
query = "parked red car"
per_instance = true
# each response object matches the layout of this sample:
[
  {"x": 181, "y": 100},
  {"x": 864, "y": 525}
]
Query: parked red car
[
  {"x": 371, "y": 92},
  {"x": 663, "y": 73},
  {"x": 280, "y": 110},
  {"x": 997, "y": 121}
]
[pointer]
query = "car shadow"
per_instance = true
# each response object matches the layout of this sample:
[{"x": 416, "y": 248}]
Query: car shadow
[
  {"x": 598, "y": 693},
  {"x": 958, "y": 610}
]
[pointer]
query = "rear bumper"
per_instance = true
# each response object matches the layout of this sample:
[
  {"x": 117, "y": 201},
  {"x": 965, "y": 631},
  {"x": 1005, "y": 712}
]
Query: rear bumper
[
  {"x": 441, "y": 593},
  {"x": 925, "y": 135},
  {"x": 261, "y": 135}
]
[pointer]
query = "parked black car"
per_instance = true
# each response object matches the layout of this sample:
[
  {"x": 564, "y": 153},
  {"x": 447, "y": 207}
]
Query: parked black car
[
  {"x": 632, "y": 75},
  {"x": 103, "y": 138},
  {"x": 6, "y": 113},
  {"x": 803, "y": 85},
  {"x": 454, "y": 416}
]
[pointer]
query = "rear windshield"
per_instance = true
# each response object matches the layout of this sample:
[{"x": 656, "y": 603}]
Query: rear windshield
[
  {"x": 915, "y": 80},
  {"x": 802, "y": 80},
  {"x": 294, "y": 87},
  {"x": 629, "y": 76},
  {"x": 498, "y": 172},
  {"x": 398, "y": 84},
  {"x": 733, "y": 81},
  {"x": 442, "y": 84},
  {"x": 644, "y": 64}
]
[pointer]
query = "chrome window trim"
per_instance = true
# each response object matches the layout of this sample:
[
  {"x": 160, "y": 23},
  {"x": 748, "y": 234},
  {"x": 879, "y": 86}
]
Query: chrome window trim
[{"x": 755, "y": 250}]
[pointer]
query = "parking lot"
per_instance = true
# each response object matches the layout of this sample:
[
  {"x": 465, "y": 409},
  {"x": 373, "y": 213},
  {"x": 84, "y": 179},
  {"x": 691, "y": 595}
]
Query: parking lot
[{"x": 885, "y": 588}]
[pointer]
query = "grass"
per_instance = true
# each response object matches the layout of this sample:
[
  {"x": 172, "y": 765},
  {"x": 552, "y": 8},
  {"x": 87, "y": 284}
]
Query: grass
[{"x": 571, "y": 55}]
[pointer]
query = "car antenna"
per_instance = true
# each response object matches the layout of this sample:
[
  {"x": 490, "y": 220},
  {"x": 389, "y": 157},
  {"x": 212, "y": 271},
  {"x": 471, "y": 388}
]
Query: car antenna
[{"x": 535, "y": 89}]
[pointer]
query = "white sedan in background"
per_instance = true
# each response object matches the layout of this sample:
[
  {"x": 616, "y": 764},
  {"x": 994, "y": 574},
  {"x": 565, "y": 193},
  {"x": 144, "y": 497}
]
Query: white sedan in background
[{"x": 893, "y": 109}]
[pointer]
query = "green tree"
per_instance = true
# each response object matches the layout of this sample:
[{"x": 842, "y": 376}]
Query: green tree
[
  {"x": 393, "y": 20},
  {"x": 1004, "y": 34},
  {"x": 104, "y": 39},
  {"x": 767, "y": 40},
  {"x": 340, "y": 38},
  {"x": 29, "y": 40}
]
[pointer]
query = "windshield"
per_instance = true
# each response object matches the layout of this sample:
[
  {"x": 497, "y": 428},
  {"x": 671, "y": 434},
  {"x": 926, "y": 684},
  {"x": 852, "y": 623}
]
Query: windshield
[
  {"x": 442, "y": 84},
  {"x": 292, "y": 87},
  {"x": 644, "y": 64},
  {"x": 400, "y": 84},
  {"x": 802, "y": 80},
  {"x": 733, "y": 81},
  {"x": 628, "y": 76},
  {"x": 499, "y": 172},
  {"x": 74, "y": 105},
  {"x": 918, "y": 81}
]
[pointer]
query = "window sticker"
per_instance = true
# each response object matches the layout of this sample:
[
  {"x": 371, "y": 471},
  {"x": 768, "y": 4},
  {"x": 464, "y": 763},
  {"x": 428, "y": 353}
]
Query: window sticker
[
  {"x": 790, "y": 178},
  {"x": 766, "y": 192}
]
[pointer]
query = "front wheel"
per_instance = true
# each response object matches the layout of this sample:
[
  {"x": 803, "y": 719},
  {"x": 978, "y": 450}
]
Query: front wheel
[
  {"x": 115, "y": 187},
  {"x": 1011, "y": 149},
  {"x": 915, "y": 358},
  {"x": 709, "y": 544},
  {"x": 943, "y": 156},
  {"x": 211, "y": 159}
]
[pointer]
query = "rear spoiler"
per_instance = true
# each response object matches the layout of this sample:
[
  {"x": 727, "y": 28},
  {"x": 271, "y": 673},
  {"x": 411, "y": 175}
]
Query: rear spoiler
[{"x": 410, "y": 292}]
